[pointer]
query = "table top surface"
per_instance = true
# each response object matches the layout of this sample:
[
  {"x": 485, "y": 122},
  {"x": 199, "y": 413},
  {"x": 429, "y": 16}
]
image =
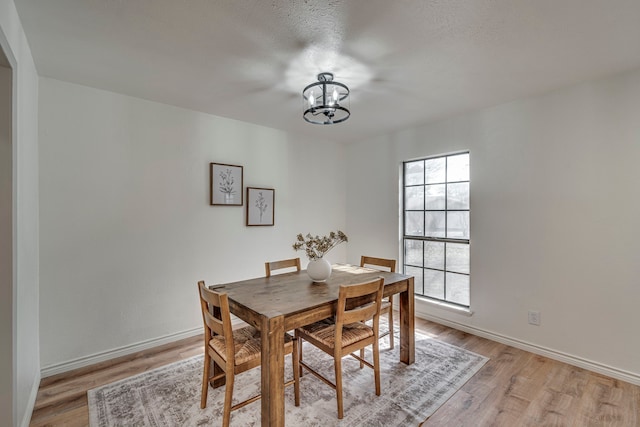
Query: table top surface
[{"x": 290, "y": 293}]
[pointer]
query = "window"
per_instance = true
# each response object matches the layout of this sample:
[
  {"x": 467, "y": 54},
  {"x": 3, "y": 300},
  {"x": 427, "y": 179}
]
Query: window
[{"x": 436, "y": 227}]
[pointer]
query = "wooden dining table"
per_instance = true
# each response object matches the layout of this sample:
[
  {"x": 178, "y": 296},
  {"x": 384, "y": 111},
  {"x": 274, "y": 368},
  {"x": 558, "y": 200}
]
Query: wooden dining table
[{"x": 287, "y": 301}]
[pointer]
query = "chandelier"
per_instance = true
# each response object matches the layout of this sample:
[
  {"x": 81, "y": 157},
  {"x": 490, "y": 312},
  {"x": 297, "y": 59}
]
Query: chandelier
[{"x": 324, "y": 101}]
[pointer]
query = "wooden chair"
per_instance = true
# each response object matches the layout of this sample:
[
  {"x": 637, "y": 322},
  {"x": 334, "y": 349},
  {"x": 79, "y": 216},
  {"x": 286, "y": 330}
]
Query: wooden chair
[
  {"x": 277, "y": 265},
  {"x": 348, "y": 333},
  {"x": 234, "y": 351},
  {"x": 387, "y": 306}
]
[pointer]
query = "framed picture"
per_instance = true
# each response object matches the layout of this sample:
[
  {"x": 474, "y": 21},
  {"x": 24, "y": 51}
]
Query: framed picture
[
  {"x": 226, "y": 184},
  {"x": 260, "y": 203}
]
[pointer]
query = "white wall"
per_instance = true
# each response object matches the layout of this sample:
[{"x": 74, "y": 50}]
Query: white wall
[
  {"x": 24, "y": 344},
  {"x": 6, "y": 242},
  {"x": 554, "y": 216},
  {"x": 126, "y": 225}
]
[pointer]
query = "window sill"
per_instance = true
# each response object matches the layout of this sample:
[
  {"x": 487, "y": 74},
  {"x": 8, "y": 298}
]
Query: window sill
[{"x": 445, "y": 306}]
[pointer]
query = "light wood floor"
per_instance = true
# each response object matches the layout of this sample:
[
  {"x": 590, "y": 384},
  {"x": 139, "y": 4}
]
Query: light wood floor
[{"x": 515, "y": 388}]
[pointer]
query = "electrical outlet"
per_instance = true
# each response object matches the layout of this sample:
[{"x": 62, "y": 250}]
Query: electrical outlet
[{"x": 534, "y": 317}]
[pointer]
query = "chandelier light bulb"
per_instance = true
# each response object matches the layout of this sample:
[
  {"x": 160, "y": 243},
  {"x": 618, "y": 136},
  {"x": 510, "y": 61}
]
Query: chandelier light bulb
[{"x": 312, "y": 99}]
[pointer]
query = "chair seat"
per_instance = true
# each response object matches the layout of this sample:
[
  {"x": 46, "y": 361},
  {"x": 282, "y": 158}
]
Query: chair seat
[
  {"x": 247, "y": 344},
  {"x": 324, "y": 332}
]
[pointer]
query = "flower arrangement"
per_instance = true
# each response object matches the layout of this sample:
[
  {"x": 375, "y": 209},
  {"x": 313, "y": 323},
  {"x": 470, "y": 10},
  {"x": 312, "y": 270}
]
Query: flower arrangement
[{"x": 315, "y": 246}]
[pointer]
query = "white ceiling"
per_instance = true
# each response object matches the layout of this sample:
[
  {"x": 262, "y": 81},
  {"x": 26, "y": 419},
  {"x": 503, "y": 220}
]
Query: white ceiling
[{"x": 406, "y": 62}]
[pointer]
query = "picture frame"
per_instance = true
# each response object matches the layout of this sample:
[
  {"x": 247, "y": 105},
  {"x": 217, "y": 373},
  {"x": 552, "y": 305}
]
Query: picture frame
[
  {"x": 225, "y": 184},
  {"x": 260, "y": 206}
]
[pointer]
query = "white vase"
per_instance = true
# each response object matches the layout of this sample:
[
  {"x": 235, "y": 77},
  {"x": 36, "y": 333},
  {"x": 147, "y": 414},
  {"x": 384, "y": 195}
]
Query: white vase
[{"x": 319, "y": 270}]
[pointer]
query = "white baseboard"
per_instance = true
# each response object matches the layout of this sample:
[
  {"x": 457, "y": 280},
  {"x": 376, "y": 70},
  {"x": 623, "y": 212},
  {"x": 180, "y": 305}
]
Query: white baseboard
[
  {"x": 590, "y": 365},
  {"x": 31, "y": 403},
  {"x": 92, "y": 359}
]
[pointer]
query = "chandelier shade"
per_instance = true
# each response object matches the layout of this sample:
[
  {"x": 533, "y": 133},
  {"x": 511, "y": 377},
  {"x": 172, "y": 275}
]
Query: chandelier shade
[{"x": 326, "y": 101}]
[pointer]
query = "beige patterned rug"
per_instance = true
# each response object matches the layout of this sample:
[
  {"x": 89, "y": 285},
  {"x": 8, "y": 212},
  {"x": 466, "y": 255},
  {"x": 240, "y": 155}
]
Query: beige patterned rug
[{"x": 170, "y": 395}]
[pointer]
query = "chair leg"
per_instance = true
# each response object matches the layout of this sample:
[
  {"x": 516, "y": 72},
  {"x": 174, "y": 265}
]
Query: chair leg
[
  {"x": 205, "y": 379},
  {"x": 338, "y": 369},
  {"x": 376, "y": 366},
  {"x": 296, "y": 371},
  {"x": 361, "y": 357},
  {"x": 390, "y": 315},
  {"x": 300, "y": 341},
  {"x": 228, "y": 398}
]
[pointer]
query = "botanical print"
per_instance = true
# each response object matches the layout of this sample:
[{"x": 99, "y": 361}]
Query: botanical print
[
  {"x": 260, "y": 206},
  {"x": 226, "y": 184}
]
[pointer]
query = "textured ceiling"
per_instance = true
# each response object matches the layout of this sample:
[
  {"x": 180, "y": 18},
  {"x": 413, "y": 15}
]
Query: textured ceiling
[{"x": 406, "y": 62}]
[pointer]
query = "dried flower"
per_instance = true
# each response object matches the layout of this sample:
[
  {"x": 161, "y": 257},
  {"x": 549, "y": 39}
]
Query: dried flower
[{"x": 315, "y": 246}]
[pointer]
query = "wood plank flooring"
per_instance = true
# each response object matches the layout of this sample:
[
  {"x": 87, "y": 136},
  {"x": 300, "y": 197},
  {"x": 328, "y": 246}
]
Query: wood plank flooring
[{"x": 515, "y": 388}]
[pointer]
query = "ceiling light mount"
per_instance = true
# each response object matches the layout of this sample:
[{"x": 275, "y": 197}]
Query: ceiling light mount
[{"x": 326, "y": 101}]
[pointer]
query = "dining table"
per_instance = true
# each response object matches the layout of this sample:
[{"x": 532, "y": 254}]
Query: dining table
[{"x": 284, "y": 302}]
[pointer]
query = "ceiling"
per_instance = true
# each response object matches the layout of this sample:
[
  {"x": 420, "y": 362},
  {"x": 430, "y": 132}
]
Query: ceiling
[{"x": 406, "y": 62}]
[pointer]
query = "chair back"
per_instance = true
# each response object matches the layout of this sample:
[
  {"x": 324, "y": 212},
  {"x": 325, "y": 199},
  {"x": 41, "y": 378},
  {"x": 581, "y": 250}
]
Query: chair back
[
  {"x": 216, "y": 317},
  {"x": 378, "y": 262},
  {"x": 277, "y": 265},
  {"x": 359, "y": 303}
]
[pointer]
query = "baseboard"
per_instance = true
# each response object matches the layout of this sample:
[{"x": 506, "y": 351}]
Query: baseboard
[
  {"x": 600, "y": 368},
  {"x": 31, "y": 403},
  {"x": 92, "y": 359},
  {"x": 590, "y": 365}
]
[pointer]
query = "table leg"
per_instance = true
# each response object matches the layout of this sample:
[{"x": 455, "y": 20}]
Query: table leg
[
  {"x": 272, "y": 336},
  {"x": 407, "y": 325}
]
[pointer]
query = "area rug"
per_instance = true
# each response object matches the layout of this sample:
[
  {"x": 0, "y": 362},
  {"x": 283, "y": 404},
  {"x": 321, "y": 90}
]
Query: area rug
[{"x": 170, "y": 395}]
